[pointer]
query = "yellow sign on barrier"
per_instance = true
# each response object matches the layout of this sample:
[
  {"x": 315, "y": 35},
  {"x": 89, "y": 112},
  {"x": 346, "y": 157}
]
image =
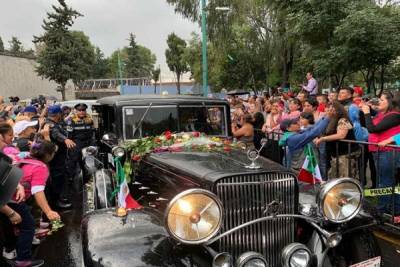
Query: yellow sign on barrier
[{"x": 381, "y": 191}]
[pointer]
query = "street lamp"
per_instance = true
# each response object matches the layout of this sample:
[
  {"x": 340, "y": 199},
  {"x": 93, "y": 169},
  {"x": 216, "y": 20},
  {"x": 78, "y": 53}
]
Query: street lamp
[
  {"x": 204, "y": 47},
  {"x": 204, "y": 43}
]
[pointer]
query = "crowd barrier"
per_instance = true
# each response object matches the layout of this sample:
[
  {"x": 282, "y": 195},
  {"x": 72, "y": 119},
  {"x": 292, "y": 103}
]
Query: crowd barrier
[{"x": 378, "y": 172}]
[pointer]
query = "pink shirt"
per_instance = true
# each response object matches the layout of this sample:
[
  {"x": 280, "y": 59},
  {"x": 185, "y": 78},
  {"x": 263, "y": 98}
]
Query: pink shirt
[
  {"x": 35, "y": 175},
  {"x": 291, "y": 115}
]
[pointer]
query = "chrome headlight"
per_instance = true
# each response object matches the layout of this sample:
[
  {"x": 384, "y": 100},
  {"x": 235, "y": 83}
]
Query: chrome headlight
[
  {"x": 118, "y": 151},
  {"x": 194, "y": 216},
  {"x": 340, "y": 199},
  {"x": 296, "y": 255},
  {"x": 251, "y": 259},
  {"x": 90, "y": 150}
]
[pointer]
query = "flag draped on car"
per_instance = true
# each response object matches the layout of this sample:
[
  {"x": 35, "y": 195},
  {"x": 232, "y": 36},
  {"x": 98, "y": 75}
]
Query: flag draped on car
[
  {"x": 125, "y": 200},
  {"x": 310, "y": 172}
]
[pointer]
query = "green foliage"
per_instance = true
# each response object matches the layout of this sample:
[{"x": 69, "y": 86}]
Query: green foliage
[
  {"x": 100, "y": 66},
  {"x": 65, "y": 54},
  {"x": 113, "y": 63},
  {"x": 156, "y": 77},
  {"x": 140, "y": 60},
  {"x": 1, "y": 45},
  {"x": 175, "y": 55},
  {"x": 280, "y": 40},
  {"x": 15, "y": 46}
]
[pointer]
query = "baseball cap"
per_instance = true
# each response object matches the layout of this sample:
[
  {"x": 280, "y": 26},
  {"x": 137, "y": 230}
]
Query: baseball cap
[
  {"x": 81, "y": 106},
  {"x": 20, "y": 126},
  {"x": 285, "y": 124},
  {"x": 9, "y": 179},
  {"x": 54, "y": 109},
  {"x": 31, "y": 109},
  {"x": 358, "y": 90}
]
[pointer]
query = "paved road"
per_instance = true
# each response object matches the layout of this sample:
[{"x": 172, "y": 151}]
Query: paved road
[{"x": 63, "y": 248}]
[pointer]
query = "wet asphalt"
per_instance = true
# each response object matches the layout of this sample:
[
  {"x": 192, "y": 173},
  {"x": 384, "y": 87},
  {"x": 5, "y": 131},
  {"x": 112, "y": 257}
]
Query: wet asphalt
[{"x": 63, "y": 248}]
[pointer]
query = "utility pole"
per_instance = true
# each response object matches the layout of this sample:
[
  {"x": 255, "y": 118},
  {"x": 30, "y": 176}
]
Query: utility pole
[
  {"x": 119, "y": 69},
  {"x": 204, "y": 47}
]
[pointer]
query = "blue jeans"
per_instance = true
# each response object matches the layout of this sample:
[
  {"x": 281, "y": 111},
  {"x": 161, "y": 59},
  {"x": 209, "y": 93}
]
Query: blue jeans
[
  {"x": 387, "y": 166},
  {"x": 26, "y": 231}
]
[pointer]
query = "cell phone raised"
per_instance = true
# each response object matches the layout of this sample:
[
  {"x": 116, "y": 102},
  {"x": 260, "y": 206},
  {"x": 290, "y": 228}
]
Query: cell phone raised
[{"x": 374, "y": 101}]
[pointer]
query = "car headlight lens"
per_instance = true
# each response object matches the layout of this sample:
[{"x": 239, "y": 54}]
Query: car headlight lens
[
  {"x": 296, "y": 255},
  {"x": 194, "y": 216},
  {"x": 251, "y": 259},
  {"x": 340, "y": 199},
  {"x": 118, "y": 151}
]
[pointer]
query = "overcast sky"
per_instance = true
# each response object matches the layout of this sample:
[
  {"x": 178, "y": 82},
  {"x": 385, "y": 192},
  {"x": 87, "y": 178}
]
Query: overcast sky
[{"x": 107, "y": 23}]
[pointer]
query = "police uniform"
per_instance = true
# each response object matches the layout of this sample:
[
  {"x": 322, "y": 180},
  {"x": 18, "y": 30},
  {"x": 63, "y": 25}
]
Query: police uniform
[
  {"x": 81, "y": 131},
  {"x": 57, "y": 165}
]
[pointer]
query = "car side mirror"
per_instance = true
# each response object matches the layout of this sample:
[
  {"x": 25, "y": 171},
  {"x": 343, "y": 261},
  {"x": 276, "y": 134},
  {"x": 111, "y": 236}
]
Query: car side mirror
[{"x": 109, "y": 137}]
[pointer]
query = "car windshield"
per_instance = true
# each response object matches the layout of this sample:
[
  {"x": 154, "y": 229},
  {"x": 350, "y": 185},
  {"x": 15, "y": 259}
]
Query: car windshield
[{"x": 154, "y": 120}]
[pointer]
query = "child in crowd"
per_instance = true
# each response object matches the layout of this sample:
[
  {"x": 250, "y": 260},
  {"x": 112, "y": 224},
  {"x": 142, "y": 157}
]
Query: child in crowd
[
  {"x": 35, "y": 175},
  {"x": 6, "y": 135}
]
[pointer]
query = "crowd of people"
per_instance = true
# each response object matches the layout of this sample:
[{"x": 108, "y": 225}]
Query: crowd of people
[
  {"x": 45, "y": 142},
  {"x": 337, "y": 127}
]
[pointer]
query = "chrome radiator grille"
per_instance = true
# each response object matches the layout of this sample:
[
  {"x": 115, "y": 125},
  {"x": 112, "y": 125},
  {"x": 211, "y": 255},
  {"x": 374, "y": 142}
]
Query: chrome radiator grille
[{"x": 246, "y": 198}]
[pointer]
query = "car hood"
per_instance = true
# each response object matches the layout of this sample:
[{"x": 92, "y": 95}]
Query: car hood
[{"x": 211, "y": 165}]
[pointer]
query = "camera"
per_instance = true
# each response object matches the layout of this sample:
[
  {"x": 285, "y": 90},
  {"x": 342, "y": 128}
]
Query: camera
[
  {"x": 40, "y": 101},
  {"x": 14, "y": 99}
]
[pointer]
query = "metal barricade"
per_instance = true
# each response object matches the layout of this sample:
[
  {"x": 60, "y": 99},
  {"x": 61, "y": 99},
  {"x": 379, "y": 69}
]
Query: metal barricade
[
  {"x": 382, "y": 196},
  {"x": 349, "y": 158}
]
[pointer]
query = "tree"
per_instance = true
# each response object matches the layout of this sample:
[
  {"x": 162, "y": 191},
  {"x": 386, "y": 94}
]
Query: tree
[
  {"x": 100, "y": 67},
  {"x": 65, "y": 55},
  {"x": 1, "y": 45},
  {"x": 140, "y": 60},
  {"x": 16, "y": 46},
  {"x": 156, "y": 77},
  {"x": 175, "y": 57}
]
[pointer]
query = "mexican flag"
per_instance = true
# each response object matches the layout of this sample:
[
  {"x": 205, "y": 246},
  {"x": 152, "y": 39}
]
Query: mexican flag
[
  {"x": 125, "y": 200},
  {"x": 310, "y": 172}
]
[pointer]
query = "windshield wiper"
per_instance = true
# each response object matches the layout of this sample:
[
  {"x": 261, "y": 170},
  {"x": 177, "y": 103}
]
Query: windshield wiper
[{"x": 141, "y": 121}]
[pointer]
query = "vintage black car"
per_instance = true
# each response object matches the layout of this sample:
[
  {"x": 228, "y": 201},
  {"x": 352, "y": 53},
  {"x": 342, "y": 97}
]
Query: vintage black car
[{"x": 212, "y": 208}]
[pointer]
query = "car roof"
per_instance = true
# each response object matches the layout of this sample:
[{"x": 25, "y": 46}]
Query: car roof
[{"x": 133, "y": 99}]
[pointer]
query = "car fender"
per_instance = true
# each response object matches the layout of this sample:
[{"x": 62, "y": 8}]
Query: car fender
[
  {"x": 139, "y": 239},
  {"x": 103, "y": 189}
]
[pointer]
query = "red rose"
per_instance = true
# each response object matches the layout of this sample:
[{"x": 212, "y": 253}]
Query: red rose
[
  {"x": 196, "y": 134},
  {"x": 136, "y": 158},
  {"x": 168, "y": 135}
]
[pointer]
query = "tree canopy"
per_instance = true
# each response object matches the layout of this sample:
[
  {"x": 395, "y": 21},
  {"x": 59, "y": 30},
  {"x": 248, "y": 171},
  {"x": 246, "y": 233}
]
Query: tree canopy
[
  {"x": 175, "y": 55},
  {"x": 65, "y": 54},
  {"x": 278, "y": 41}
]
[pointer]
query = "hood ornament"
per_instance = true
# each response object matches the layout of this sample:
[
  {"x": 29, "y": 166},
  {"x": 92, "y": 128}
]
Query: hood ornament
[{"x": 254, "y": 154}]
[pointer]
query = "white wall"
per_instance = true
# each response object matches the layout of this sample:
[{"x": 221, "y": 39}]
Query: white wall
[{"x": 18, "y": 78}]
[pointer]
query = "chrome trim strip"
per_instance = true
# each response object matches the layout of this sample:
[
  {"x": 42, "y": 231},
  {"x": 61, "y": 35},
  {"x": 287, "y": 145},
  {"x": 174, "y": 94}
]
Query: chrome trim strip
[{"x": 268, "y": 218}]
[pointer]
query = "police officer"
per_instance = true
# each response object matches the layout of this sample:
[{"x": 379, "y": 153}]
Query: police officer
[
  {"x": 58, "y": 135},
  {"x": 80, "y": 129}
]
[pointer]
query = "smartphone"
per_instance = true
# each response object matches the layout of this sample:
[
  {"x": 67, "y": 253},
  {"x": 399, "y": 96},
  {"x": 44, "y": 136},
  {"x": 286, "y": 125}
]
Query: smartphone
[{"x": 374, "y": 101}]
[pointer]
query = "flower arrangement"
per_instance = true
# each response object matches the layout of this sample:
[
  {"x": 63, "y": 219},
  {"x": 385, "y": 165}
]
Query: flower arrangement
[{"x": 169, "y": 142}]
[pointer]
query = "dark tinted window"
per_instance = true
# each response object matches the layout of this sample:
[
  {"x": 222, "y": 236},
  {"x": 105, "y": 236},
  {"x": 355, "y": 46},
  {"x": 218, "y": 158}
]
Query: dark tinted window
[{"x": 156, "y": 121}]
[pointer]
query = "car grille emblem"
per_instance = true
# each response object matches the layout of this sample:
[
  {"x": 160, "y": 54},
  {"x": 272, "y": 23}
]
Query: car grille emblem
[{"x": 273, "y": 208}]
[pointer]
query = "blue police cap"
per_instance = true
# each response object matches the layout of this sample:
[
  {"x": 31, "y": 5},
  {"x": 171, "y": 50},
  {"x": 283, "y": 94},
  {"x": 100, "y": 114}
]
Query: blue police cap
[
  {"x": 31, "y": 109},
  {"x": 54, "y": 109}
]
